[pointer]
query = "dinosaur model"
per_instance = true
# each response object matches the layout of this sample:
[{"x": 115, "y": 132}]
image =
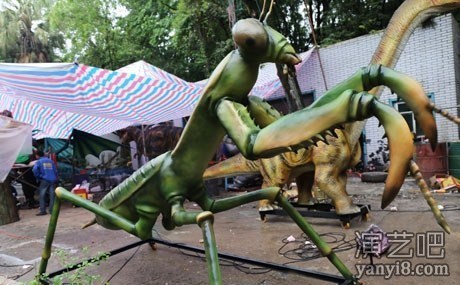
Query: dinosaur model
[
  {"x": 327, "y": 163},
  {"x": 158, "y": 139},
  {"x": 162, "y": 186}
]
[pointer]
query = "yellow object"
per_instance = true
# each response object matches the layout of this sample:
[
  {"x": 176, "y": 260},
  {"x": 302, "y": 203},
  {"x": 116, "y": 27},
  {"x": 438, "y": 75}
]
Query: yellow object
[{"x": 80, "y": 192}]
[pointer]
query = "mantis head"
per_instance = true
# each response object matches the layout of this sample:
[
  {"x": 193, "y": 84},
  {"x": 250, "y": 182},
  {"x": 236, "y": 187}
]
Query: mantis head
[{"x": 258, "y": 42}]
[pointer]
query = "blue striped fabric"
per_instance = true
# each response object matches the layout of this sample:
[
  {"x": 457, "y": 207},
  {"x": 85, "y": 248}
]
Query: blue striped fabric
[{"x": 56, "y": 98}]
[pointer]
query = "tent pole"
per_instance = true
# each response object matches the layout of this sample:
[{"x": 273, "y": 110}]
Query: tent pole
[{"x": 143, "y": 142}]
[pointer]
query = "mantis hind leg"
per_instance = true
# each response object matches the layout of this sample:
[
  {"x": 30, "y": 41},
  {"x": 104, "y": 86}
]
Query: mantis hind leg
[
  {"x": 323, "y": 247},
  {"x": 63, "y": 194}
]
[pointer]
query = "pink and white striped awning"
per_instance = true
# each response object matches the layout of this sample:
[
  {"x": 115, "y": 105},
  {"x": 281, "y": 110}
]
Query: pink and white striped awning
[
  {"x": 268, "y": 82},
  {"x": 56, "y": 98}
]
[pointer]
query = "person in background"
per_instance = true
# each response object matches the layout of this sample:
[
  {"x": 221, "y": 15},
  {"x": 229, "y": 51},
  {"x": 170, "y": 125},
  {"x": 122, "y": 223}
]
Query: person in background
[
  {"x": 7, "y": 113},
  {"x": 45, "y": 171},
  {"x": 28, "y": 181}
]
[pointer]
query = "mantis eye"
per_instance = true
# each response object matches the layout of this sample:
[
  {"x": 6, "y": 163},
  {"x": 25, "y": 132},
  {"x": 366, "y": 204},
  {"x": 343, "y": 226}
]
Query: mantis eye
[{"x": 250, "y": 36}]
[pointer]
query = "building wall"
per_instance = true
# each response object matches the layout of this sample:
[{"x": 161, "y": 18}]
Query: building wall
[{"x": 430, "y": 56}]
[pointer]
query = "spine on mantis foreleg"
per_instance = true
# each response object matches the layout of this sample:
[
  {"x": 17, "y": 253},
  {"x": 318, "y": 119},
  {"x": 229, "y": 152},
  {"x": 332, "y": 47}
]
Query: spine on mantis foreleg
[
  {"x": 262, "y": 112},
  {"x": 406, "y": 18},
  {"x": 415, "y": 172}
]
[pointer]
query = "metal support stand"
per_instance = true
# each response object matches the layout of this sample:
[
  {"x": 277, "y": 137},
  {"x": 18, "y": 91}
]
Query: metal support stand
[
  {"x": 322, "y": 210},
  {"x": 280, "y": 267}
]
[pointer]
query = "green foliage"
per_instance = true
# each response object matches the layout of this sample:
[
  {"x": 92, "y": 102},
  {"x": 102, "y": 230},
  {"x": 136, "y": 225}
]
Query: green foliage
[
  {"x": 202, "y": 37},
  {"x": 148, "y": 30},
  {"x": 148, "y": 22},
  {"x": 289, "y": 19},
  {"x": 90, "y": 26},
  {"x": 189, "y": 37},
  {"x": 78, "y": 275},
  {"x": 186, "y": 38},
  {"x": 25, "y": 34},
  {"x": 333, "y": 20},
  {"x": 346, "y": 19}
]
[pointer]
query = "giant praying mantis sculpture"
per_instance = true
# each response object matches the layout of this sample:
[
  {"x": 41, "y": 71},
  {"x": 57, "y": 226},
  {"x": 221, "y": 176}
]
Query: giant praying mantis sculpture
[
  {"x": 331, "y": 161},
  {"x": 167, "y": 181}
]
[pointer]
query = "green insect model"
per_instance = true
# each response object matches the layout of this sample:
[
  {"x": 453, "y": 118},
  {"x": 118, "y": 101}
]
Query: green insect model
[
  {"x": 327, "y": 164},
  {"x": 163, "y": 184}
]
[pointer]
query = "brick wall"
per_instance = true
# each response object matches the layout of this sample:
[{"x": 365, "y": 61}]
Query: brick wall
[{"x": 430, "y": 56}]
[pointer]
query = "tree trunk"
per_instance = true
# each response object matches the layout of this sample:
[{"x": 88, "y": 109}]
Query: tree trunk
[
  {"x": 288, "y": 78},
  {"x": 8, "y": 209}
]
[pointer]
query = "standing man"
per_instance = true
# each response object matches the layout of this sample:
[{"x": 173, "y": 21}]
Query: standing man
[{"x": 45, "y": 172}]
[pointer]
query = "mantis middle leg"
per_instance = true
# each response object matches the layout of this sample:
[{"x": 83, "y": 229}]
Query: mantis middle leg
[{"x": 274, "y": 194}]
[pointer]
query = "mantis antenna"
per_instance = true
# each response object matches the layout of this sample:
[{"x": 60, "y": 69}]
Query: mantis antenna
[
  {"x": 263, "y": 10},
  {"x": 269, "y": 11}
]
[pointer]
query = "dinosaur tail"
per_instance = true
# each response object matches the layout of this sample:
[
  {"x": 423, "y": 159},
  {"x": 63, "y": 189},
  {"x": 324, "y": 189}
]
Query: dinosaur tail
[
  {"x": 235, "y": 165},
  {"x": 415, "y": 172}
]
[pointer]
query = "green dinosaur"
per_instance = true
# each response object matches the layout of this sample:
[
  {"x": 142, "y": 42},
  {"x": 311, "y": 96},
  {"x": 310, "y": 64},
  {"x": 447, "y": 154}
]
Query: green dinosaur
[
  {"x": 163, "y": 184},
  {"x": 330, "y": 161}
]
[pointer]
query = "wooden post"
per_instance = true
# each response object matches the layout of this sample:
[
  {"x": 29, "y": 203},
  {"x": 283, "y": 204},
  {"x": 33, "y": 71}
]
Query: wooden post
[
  {"x": 8, "y": 209},
  {"x": 288, "y": 78}
]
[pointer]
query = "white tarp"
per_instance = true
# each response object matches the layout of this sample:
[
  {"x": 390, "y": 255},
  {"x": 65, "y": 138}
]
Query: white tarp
[{"x": 13, "y": 138}]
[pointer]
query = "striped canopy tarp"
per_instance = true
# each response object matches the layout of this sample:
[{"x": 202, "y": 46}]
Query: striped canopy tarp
[
  {"x": 145, "y": 69},
  {"x": 268, "y": 84},
  {"x": 57, "y": 98}
]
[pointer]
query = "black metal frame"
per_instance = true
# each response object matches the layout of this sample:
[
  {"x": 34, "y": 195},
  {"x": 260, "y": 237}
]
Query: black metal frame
[
  {"x": 320, "y": 210},
  {"x": 280, "y": 267}
]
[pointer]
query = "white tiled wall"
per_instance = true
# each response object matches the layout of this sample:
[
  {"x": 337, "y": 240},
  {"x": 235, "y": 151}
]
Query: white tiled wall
[{"x": 430, "y": 57}]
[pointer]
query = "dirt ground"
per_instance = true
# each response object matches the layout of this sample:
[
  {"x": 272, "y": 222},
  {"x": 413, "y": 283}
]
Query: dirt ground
[{"x": 240, "y": 232}]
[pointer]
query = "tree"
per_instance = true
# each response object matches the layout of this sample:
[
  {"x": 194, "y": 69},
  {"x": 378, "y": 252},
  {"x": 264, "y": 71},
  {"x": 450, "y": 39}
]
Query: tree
[
  {"x": 91, "y": 28},
  {"x": 148, "y": 29},
  {"x": 202, "y": 37},
  {"x": 8, "y": 209},
  {"x": 332, "y": 20},
  {"x": 288, "y": 17},
  {"x": 188, "y": 38},
  {"x": 25, "y": 35},
  {"x": 339, "y": 20}
]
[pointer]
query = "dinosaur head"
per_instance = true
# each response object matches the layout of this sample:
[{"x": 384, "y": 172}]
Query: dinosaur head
[{"x": 258, "y": 42}]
